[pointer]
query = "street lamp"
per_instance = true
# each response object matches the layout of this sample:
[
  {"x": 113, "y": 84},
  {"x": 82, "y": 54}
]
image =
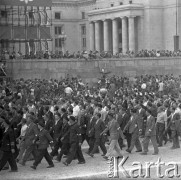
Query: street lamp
[
  {"x": 26, "y": 1},
  {"x": 63, "y": 38}
]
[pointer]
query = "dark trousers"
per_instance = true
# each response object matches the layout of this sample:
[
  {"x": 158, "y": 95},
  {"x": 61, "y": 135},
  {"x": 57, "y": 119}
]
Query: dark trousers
[
  {"x": 64, "y": 150},
  {"x": 85, "y": 137},
  {"x": 99, "y": 142},
  {"x": 135, "y": 142},
  {"x": 120, "y": 141},
  {"x": 128, "y": 139},
  {"x": 75, "y": 151},
  {"x": 175, "y": 139},
  {"x": 8, "y": 157},
  {"x": 91, "y": 143},
  {"x": 40, "y": 154},
  {"x": 30, "y": 150},
  {"x": 57, "y": 145},
  {"x": 160, "y": 128}
]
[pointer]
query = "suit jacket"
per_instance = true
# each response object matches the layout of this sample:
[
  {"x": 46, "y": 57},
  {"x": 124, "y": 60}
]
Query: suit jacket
[
  {"x": 90, "y": 125},
  {"x": 150, "y": 126},
  {"x": 40, "y": 112},
  {"x": 133, "y": 124},
  {"x": 44, "y": 139},
  {"x": 31, "y": 134},
  {"x": 99, "y": 127},
  {"x": 49, "y": 126},
  {"x": 8, "y": 142},
  {"x": 82, "y": 122},
  {"x": 123, "y": 120},
  {"x": 114, "y": 130},
  {"x": 57, "y": 129},
  {"x": 65, "y": 133},
  {"x": 75, "y": 136},
  {"x": 175, "y": 122}
]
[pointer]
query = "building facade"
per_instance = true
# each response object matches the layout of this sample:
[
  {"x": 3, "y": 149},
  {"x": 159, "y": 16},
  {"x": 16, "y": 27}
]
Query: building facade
[{"x": 115, "y": 25}]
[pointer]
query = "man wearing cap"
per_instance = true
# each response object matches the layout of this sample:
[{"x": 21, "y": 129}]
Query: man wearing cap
[
  {"x": 75, "y": 143},
  {"x": 150, "y": 134},
  {"x": 8, "y": 146},
  {"x": 161, "y": 125},
  {"x": 43, "y": 140},
  {"x": 134, "y": 127}
]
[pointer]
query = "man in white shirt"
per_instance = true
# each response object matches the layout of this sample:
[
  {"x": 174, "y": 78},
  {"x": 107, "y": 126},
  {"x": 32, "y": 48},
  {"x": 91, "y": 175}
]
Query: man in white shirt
[{"x": 76, "y": 109}]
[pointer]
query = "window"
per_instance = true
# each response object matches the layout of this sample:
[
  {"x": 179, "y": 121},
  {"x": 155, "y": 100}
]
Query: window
[
  {"x": 112, "y": 5},
  {"x": 4, "y": 14},
  {"x": 57, "y": 15},
  {"x": 83, "y": 37},
  {"x": 121, "y": 3},
  {"x": 58, "y": 43},
  {"x": 83, "y": 15},
  {"x": 83, "y": 30},
  {"x": 58, "y": 30}
]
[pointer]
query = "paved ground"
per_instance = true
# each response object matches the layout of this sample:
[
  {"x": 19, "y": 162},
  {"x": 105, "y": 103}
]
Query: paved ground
[{"x": 95, "y": 168}]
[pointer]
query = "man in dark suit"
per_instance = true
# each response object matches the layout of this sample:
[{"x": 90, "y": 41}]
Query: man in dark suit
[
  {"x": 75, "y": 143},
  {"x": 133, "y": 127},
  {"x": 30, "y": 136},
  {"x": 64, "y": 138},
  {"x": 43, "y": 140},
  {"x": 91, "y": 120},
  {"x": 8, "y": 146},
  {"x": 48, "y": 124},
  {"x": 150, "y": 134},
  {"x": 40, "y": 111},
  {"x": 142, "y": 117},
  {"x": 175, "y": 125},
  {"x": 122, "y": 120},
  {"x": 56, "y": 134},
  {"x": 99, "y": 127}
]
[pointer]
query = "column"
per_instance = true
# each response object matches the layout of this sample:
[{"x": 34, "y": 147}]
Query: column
[
  {"x": 131, "y": 34},
  {"x": 97, "y": 36},
  {"x": 92, "y": 34},
  {"x": 141, "y": 33},
  {"x": 106, "y": 35},
  {"x": 115, "y": 36},
  {"x": 124, "y": 35}
]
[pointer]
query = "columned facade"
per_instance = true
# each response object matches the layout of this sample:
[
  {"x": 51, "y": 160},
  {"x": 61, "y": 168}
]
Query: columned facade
[
  {"x": 117, "y": 29},
  {"x": 127, "y": 39}
]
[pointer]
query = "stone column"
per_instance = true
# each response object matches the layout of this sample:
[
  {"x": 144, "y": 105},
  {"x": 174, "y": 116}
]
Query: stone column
[
  {"x": 92, "y": 34},
  {"x": 97, "y": 36},
  {"x": 131, "y": 34},
  {"x": 115, "y": 36},
  {"x": 124, "y": 35},
  {"x": 141, "y": 33},
  {"x": 106, "y": 35}
]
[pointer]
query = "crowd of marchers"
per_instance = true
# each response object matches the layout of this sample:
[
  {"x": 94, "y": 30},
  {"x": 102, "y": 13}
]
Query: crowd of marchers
[{"x": 52, "y": 118}]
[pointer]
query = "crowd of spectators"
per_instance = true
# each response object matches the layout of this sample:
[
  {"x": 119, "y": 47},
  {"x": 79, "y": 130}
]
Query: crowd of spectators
[
  {"x": 91, "y": 55},
  {"x": 40, "y": 101}
]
